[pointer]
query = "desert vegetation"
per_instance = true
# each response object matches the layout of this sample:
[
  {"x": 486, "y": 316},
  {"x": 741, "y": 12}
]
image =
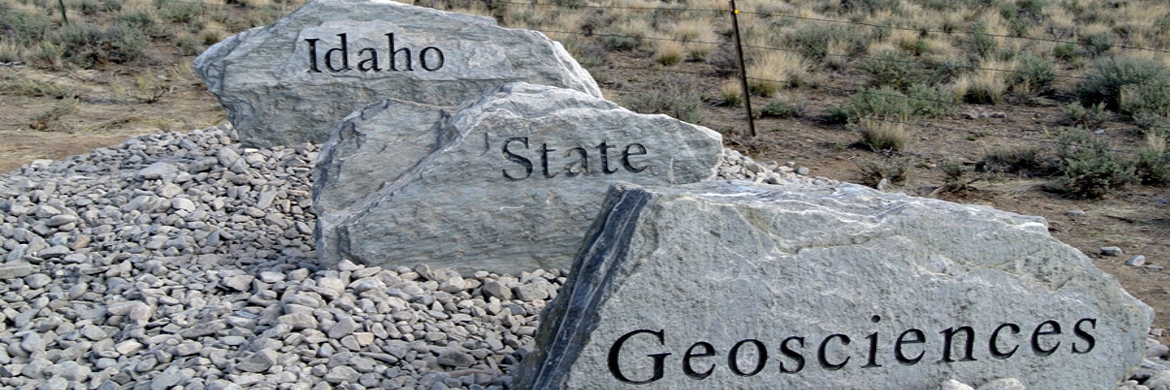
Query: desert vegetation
[
  {"x": 887, "y": 68},
  {"x": 1037, "y": 106}
]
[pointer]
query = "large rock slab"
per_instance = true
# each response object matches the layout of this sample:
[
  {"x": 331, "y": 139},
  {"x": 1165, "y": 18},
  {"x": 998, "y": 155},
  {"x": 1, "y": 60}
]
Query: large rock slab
[
  {"x": 288, "y": 82},
  {"x": 729, "y": 285},
  {"x": 511, "y": 182}
]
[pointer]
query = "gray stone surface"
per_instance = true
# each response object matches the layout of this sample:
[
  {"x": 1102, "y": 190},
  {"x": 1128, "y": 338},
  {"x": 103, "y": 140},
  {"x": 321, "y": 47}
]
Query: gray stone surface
[
  {"x": 799, "y": 270},
  {"x": 373, "y": 147},
  {"x": 288, "y": 82},
  {"x": 491, "y": 198}
]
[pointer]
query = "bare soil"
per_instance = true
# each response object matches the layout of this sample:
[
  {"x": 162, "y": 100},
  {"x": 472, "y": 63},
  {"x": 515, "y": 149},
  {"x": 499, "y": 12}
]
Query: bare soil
[{"x": 1135, "y": 219}]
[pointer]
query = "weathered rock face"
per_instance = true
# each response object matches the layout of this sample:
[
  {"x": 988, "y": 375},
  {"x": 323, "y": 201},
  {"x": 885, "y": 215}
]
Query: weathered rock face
[
  {"x": 370, "y": 148},
  {"x": 289, "y": 82},
  {"x": 731, "y": 285},
  {"x": 513, "y": 183}
]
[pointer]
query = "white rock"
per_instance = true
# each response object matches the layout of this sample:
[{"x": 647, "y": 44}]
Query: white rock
[
  {"x": 158, "y": 170},
  {"x": 271, "y": 79},
  {"x": 1003, "y": 384},
  {"x": 951, "y": 384},
  {"x": 507, "y": 206},
  {"x": 814, "y": 275}
]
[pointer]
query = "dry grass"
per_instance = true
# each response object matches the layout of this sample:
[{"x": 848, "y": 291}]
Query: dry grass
[
  {"x": 986, "y": 85},
  {"x": 837, "y": 55},
  {"x": 879, "y": 134},
  {"x": 668, "y": 52},
  {"x": 732, "y": 92},
  {"x": 17, "y": 84},
  {"x": 1155, "y": 142},
  {"x": 960, "y": 87},
  {"x": 50, "y": 120},
  {"x": 9, "y": 52},
  {"x": 776, "y": 70}
]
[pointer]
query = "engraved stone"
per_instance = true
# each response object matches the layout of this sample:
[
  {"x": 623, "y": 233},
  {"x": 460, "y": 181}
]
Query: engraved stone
[
  {"x": 738, "y": 285},
  {"x": 512, "y": 184},
  {"x": 288, "y": 82}
]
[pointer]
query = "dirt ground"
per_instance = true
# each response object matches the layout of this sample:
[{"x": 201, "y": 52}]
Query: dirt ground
[{"x": 114, "y": 106}]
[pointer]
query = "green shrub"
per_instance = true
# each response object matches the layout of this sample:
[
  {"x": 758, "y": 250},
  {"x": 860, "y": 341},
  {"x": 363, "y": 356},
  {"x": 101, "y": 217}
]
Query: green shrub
[
  {"x": 980, "y": 44},
  {"x": 188, "y": 45},
  {"x": 675, "y": 98},
  {"x": 622, "y": 43},
  {"x": 878, "y": 102},
  {"x": 870, "y": 6},
  {"x": 179, "y": 11},
  {"x": 889, "y": 68},
  {"x": 45, "y": 55},
  {"x": 1032, "y": 8},
  {"x": 1097, "y": 44},
  {"x": 894, "y": 171},
  {"x": 24, "y": 28},
  {"x": 1153, "y": 167},
  {"x": 1088, "y": 169},
  {"x": 1129, "y": 86},
  {"x": 1074, "y": 114},
  {"x": 139, "y": 19},
  {"x": 1065, "y": 52},
  {"x": 779, "y": 109},
  {"x": 813, "y": 41},
  {"x": 1024, "y": 161},
  {"x": 956, "y": 174},
  {"x": 89, "y": 45},
  {"x": 930, "y": 102},
  {"x": 1145, "y": 99},
  {"x": 1033, "y": 75},
  {"x": 573, "y": 4},
  {"x": 837, "y": 115}
]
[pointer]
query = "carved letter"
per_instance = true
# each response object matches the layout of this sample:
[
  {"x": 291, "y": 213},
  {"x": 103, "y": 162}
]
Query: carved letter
[
  {"x": 1083, "y": 335},
  {"x": 919, "y": 338},
  {"x": 761, "y": 357},
  {"x": 373, "y": 60},
  {"x": 969, "y": 343},
  {"x": 524, "y": 162},
  {"x": 825, "y": 359},
  {"x": 994, "y": 347},
  {"x": 1038, "y": 332},
  {"x": 603, "y": 148},
  {"x": 344, "y": 49},
  {"x": 792, "y": 354},
  {"x": 313, "y": 55},
  {"x": 394, "y": 55},
  {"x": 583, "y": 162},
  {"x": 708, "y": 350},
  {"x": 422, "y": 58},
  {"x": 871, "y": 362},
  {"x": 615, "y": 352},
  {"x": 626, "y": 157},
  {"x": 544, "y": 149}
]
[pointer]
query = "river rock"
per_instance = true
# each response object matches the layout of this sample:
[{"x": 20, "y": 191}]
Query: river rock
[
  {"x": 736, "y": 285},
  {"x": 288, "y": 82},
  {"x": 514, "y": 182}
]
